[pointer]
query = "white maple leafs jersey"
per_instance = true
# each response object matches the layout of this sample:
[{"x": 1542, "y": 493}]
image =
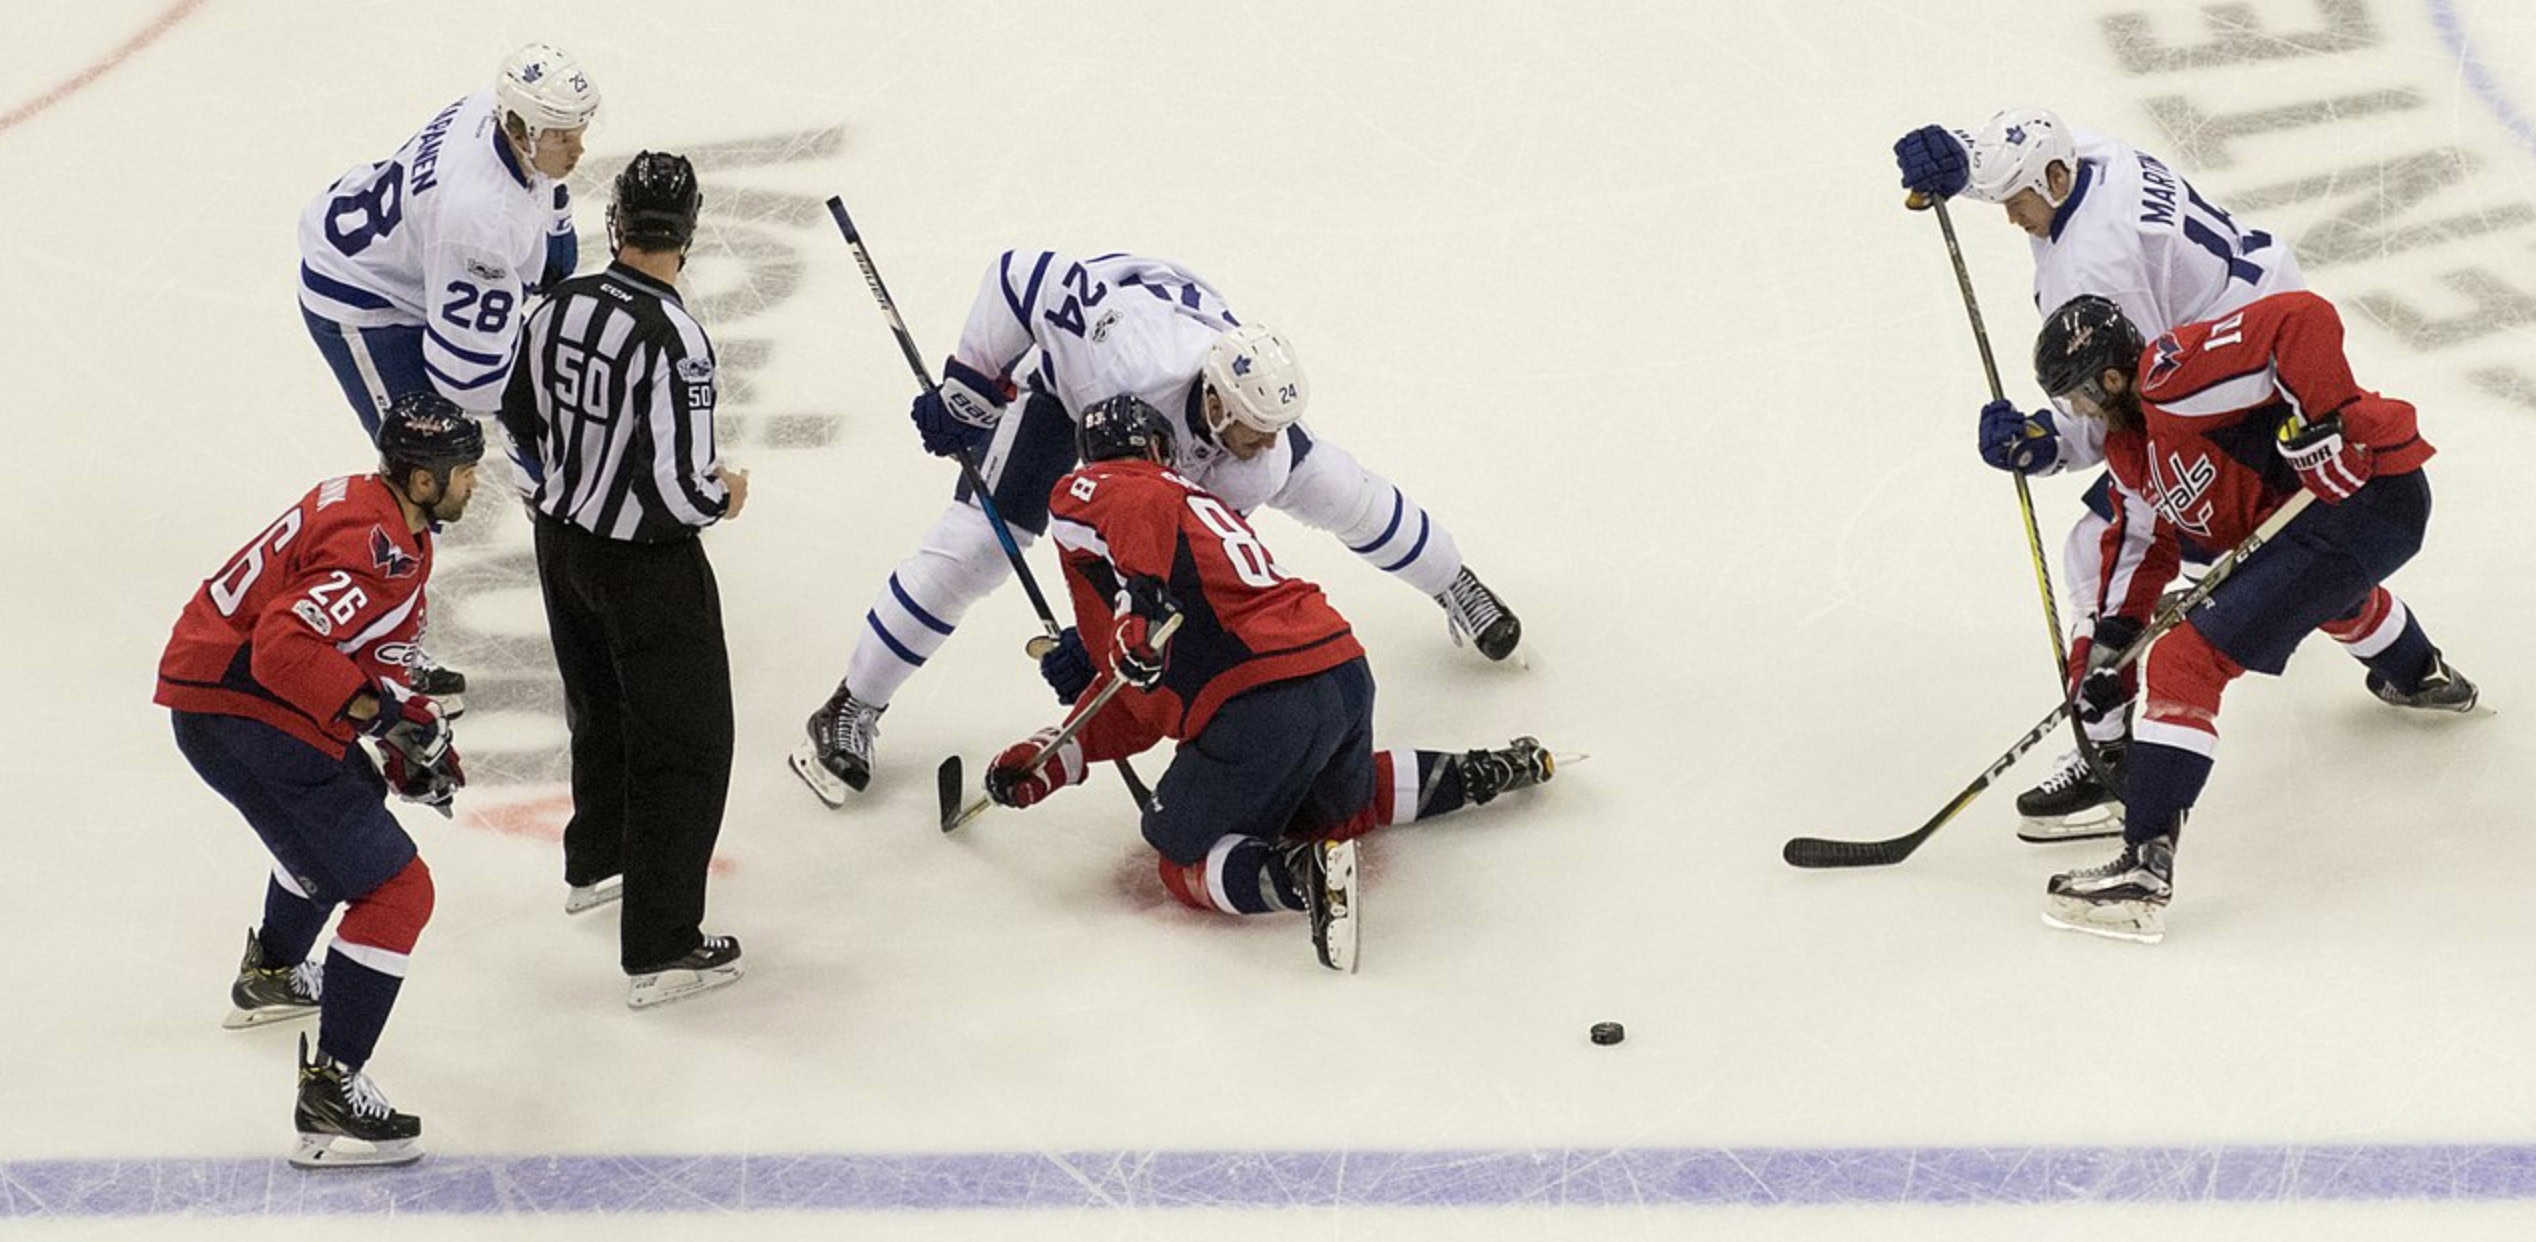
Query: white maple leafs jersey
[
  {"x": 450, "y": 233},
  {"x": 1083, "y": 331},
  {"x": 2134, "y": 231}
]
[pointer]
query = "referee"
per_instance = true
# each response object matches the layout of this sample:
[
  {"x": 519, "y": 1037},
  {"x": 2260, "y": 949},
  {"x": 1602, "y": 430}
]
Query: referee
[{"x": 614, "y": 393}]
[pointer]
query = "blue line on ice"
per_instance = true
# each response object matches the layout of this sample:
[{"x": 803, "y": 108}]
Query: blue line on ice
[{"x": 1073, "y": 1181}]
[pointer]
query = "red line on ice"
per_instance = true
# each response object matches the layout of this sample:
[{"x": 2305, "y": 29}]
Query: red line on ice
[{"x": 147, "y": 35}]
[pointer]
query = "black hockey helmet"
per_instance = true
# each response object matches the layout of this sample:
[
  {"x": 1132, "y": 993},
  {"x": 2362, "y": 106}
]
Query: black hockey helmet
[
  {"x": 1123, "y": 426},
  {"x": 2081, "y": 340},
  {"x": 655, "y": 203},
  {"x": 427, "y": 431}
]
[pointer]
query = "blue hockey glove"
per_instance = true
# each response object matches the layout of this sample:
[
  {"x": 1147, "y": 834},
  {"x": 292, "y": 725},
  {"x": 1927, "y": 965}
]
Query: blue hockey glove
[
  {"x": 961, "y": 414},
  {"x": 2013, "y": 442},
  {"x": 1933, "y": 162},
  {"x": 1067, "y": 668}
]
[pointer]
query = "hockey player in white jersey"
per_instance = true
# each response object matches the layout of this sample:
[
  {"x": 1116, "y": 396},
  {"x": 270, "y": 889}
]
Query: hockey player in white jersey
[
  {"x": 1049, "y": 336},
  {"x": 413, "y": 269},
  {"x": 2114, "y": 221}
]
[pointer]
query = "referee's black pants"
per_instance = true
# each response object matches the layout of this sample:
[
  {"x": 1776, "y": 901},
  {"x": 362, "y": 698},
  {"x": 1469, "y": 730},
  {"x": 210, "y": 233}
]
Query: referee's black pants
[{"x": 637, "y": 629}]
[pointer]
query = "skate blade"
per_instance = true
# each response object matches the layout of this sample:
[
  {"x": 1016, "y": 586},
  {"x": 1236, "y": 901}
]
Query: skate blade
[
  {"x": 2126, "y": 921},
  {"x": 1336, "y": 938},
  {"x": 335, "y": 1151},
  {"x": 826, "y": 785},
  {"x": 249, "y": 1019},
  {"x": 582, "y": 899},
  {"x": 2094, "y": 823},
  {"x": 667, "y": 986}
]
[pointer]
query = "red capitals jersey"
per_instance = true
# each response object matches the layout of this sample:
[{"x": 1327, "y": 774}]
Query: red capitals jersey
[
  {"x": 1244, "y": 622},
  {"x": 328, "y": 600},
  {"x": 2214, "y": 395}
]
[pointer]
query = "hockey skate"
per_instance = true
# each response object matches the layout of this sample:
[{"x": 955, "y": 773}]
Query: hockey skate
[
  {"x": 2072, "y": 804},
  {"x": 838, "y": 755},
  {"x": 1324, "y": 872},
  {"x": 584, "y": 898},
  {"x": 345, "y": 1123},
  {"x": 713, "y": 964},
  {"x": 267, "y": 994},
  {"x": 2443, "y": 689},
  {"x": 1521, "y": 765},
  {"x": 2122, "y": 900},
  {"x": 1473, "y": 613}
]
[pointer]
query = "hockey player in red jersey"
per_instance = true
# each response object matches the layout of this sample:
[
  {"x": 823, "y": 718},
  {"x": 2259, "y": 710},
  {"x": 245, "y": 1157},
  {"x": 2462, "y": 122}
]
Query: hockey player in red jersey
[
  {"x": 301, "y": 643},
  {"x": 2215, "y": 425},
  {"x": 1264, "y": 685}
]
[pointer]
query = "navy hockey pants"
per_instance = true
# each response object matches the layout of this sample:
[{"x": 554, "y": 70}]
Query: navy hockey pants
[
  {"x": 325, "y": 820},
  {"x": 2322, "y": 568},
  {"x": 1291, "y": 759}
]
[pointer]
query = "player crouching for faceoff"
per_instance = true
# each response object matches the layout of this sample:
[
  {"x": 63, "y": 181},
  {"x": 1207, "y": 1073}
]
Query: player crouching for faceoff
[
  {"x": 293, "y": 650},
  {"x": 1264, "y": 685},
  {"x": 2214, "y": 427}
]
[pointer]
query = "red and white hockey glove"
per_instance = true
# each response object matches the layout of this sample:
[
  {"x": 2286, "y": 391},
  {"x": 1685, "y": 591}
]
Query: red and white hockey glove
[
  {"x": 2330, "y": 466},
  {"x": 421, "y": 764},
  {"x": 1143, "y": 605},
  {"x": 1012, "y": 781}
]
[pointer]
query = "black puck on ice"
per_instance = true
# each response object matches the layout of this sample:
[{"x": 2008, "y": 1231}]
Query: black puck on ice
[{"x": 1606, "y": 1033}]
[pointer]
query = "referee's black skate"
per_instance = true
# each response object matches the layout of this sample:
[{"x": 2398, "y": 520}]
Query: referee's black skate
[
  {"x": 344, "y": 1122},
  {"x": 263, "y": 995},
  {"x": 2073, "y": 803},
  {"x": 1521, "y": 765},
  {"x": 2443, "y": 689},
  {"x": 713, "y": 964},
  {"x": 837, "y": 757},
  {"x": 2124, "y": 899},
  {"x": 1474, "y": 613}
]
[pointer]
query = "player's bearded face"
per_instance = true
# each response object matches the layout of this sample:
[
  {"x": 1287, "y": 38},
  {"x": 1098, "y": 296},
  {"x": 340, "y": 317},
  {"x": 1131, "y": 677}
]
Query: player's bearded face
[
  {"x": 2110, "y": 400},
  {"x": 451, "y": 503}
]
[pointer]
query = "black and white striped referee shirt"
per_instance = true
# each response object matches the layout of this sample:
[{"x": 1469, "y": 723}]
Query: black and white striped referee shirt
[{"x": 613, "y": 394}]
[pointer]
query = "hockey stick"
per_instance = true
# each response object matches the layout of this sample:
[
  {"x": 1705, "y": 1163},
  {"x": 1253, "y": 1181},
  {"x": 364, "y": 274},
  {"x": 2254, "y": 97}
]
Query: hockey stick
[
  {"x": 1817, "y": 852},
  {"x": 1047, "y": 639},
  {"x": 2024, "y": 493},
  {"x": 947, "y": 777}
]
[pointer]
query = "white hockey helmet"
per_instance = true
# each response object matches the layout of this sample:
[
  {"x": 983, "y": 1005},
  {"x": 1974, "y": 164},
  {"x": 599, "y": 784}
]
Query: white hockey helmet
[
  {"x": 545, "y": 88},
  {"x": 1253, "y": 373},
  {"x": 2015, "y": 151}
]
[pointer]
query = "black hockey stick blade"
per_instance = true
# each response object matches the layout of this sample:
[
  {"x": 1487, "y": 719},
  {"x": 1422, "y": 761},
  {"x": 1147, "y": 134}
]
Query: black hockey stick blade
[
  {"x": 1815, "y": 853},
  {"x": 946, "y": 784}
]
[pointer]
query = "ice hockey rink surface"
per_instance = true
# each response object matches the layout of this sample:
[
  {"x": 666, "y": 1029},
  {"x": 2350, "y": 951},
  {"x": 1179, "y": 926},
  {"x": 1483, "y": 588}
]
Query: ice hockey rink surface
[{"x": 1623, "y": 292}]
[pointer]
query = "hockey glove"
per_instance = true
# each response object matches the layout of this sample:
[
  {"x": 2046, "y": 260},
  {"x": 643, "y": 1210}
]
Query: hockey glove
[
  {"x": 2101, "y": 691},
  {"x": 1933, "y": 162},
  {"x": 961, "y": 413},
  {"x": 414, "y": 743},
  {"x": 2327, "y": 464},
  {"x": 1143, "y": 605},
  {"x": 1067, "y": 668},
  {"x": 1012, "y": 781},
  {"x": 2016, "y": 443}
]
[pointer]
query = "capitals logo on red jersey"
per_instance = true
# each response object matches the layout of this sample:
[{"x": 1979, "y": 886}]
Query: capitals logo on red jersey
[
  {"x": 2181, "y": 491},
  {"x": 2170, "y": 355},
  {"x": 392, "y": 561}
]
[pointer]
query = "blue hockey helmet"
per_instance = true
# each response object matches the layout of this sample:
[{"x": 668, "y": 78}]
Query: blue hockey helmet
[{"x": 1123, "y": 426}]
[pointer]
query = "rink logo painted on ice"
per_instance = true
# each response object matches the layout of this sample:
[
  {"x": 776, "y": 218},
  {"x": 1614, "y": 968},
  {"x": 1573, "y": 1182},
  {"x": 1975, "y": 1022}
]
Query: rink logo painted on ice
[{"x": 2407, "y": 225}]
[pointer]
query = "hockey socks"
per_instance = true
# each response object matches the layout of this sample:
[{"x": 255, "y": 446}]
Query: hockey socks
[
  {"x": 2382, "y": 634},
  {"x": 366, "y": 965},
  {"x": 1239, "y": 875},
  {"x": 1410, "y": 785},
  {"x": 292, "y": 922}
]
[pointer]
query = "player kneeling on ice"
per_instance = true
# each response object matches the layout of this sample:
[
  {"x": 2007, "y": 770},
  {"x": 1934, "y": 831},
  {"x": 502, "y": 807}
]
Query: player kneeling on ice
[
  {"x": 1251, "y": 669},
  {"x": 298, "y": 646},
  {"x": 2214, "y": 427}
]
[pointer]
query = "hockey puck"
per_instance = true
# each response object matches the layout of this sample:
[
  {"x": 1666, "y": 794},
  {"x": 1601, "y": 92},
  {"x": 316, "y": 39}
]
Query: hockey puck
[{"x": 1606, "y": 1033}]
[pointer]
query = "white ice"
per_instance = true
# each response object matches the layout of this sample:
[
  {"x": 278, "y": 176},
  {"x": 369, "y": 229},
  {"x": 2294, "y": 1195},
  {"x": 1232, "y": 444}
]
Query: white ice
[{"x": 1625, "y": 294}]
